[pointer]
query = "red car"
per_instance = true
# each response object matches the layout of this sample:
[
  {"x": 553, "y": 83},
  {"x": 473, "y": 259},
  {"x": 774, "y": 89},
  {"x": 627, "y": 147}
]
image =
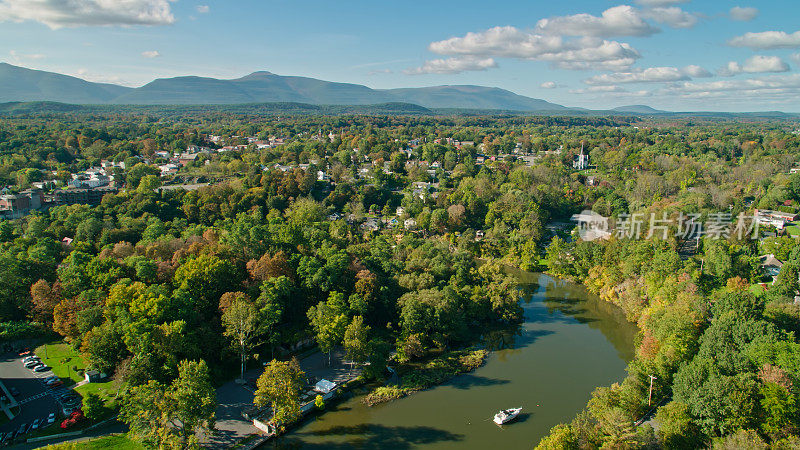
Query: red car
[{"x": 72, "y": 419}]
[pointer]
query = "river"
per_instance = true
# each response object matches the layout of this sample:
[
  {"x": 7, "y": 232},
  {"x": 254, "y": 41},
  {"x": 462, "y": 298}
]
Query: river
[{"x": 569, "y": 343}]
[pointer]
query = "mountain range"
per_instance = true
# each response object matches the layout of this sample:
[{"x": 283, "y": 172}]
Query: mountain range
[{"x": 20, "y": 84}]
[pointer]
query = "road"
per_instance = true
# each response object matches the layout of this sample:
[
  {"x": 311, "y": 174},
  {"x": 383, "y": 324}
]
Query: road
[{"x": 34, "y": 402}]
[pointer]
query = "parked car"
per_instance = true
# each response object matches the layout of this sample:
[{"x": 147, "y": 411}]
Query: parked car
[
  {"x": 25, "y": 352},
  {"x": 30, "y": 358},
  {"x": 14, "y": 391},
  {"x": 21, "y": 430},
  {"x": 31, "y": 364},
  {"x": 72, "y": 419},
  {"x": 35, "y": 425},
  {"x": 51, "y": 378},
  {"x": 54, "y": 383},
  {"x": 41, "y": 368},
  {"x": 51, "y": 418}
]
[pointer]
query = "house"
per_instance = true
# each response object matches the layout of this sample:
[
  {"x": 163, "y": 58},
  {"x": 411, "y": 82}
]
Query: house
[
  {"x": 400, "y": 211},
  {"x": 92, "y": 196},
  {"x": 770, "y": 265},
  {"x": 775, "y": 219},
  {"x": 168, "y": 169},
  {"x": 410, "y": 224},
  {"x": 94, "y": 376},
  {"x": 18, "y": 205},
  {"x": 371, "y": 224}
]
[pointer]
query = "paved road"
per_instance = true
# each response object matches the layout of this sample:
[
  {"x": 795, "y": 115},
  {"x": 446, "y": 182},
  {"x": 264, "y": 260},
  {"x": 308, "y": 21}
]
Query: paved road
[{"x": 34, "y": 405}]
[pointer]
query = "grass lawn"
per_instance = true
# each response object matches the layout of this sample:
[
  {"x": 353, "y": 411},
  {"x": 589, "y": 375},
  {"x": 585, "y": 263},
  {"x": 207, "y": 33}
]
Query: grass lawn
[
  {"x": 116, "y": 441},
  {"x": 757, "y": 289},
  {"x": 62, "y": 358},
  {"x": 107, "y": 391},
  {"x": 793, "y": 230}
]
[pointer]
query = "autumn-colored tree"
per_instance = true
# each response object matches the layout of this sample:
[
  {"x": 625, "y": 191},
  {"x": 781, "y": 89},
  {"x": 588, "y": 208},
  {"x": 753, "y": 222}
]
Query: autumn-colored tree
[
  {"x": 270, "y": 266},
  {"x": 45, "y": 297}
]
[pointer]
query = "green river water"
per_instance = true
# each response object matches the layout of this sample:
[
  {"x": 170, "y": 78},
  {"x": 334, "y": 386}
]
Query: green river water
[{"x": 569, "y": 343}]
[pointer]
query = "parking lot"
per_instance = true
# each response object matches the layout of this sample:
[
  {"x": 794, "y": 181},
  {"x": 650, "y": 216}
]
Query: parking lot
[{"x": 36, "y": 400}]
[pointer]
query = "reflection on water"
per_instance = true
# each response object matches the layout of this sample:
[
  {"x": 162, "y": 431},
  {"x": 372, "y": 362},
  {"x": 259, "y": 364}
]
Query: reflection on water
[{"x": 569, "y": 343}]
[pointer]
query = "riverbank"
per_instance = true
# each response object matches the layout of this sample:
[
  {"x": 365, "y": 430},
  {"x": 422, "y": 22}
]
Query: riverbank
[
  {"x": 417, "y": 376},
  {"x": 569, "y": 343}
]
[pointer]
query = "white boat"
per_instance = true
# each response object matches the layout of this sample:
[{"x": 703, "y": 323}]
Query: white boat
[{"x": 507, "y": 415}]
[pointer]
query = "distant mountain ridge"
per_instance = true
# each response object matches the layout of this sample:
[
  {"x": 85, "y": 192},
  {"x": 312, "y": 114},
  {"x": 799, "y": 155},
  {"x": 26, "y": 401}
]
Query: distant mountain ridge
[{"x": 27, "y": 85}]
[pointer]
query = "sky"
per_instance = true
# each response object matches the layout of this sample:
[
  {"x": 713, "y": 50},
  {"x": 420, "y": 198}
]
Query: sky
[{"x": 679, "y": 55}]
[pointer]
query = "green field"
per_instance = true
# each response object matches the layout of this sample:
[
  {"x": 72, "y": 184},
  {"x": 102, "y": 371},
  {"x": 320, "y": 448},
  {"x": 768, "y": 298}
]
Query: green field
[
  {"x": 117, "y": 441},
  {"x": 62, "y": 358},
  {"x": 793, "y": 230}
]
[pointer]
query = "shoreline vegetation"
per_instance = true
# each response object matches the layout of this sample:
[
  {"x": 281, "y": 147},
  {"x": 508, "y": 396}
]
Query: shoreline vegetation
[{"x": 420, "y": 375}]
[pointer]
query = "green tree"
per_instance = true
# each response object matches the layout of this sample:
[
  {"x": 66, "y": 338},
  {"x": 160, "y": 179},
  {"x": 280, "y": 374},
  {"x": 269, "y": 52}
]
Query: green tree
[
  {"x": 329, "y": 321},
  {"x": 242, "y": 326},
  {"x": 280, "y": 386},
  {"x": 356, "y": 340},
  {"x": 93, "y": 406}
]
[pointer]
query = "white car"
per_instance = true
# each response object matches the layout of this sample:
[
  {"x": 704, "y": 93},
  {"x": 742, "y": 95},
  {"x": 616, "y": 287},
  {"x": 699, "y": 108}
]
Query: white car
[
  {"x": 33, "y": 363},
  {"x": 28, "y": 359}
]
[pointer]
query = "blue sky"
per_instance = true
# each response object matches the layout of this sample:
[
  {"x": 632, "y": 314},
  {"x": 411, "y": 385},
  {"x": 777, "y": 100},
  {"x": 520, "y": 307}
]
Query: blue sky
[{"x": 670, "y": 54}]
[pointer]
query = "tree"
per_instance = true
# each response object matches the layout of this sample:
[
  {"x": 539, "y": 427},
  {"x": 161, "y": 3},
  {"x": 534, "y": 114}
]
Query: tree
[
  {"x": 195, "y": 399},
  {"x": 45, "y": 298},
  {"x": 93, "y": 406},
  {"x": 676, "y": 430},
  {"x": 329, "y": 322},
  {"x": 280, "y": 385},
  {"x": 356, "y": 340},
  {"x": 319, "y": 402},
  {"x": 171, "y": 416},
  {"x": 241, "y": 324}
]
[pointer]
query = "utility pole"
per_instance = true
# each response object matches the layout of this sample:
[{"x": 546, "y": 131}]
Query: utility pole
[{"x": 650, "y": 395}]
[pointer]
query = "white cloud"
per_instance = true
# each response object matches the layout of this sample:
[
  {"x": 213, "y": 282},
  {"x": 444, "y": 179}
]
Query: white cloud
[
  {"x": 620, "y": 20},
  {"x": 655, "y": 3},
  {"x": 774, "y": 84},
  {"x": 767, "y": 40},
  {"x": 203, "y": 9},
  {"x": 18, "y": 57},
  {"x": 648, "y": 75},
  {"x": 697, "y": 72},
  {"x": 597, "y": 89},
  {"x": 671, "y": 16},
  {"x": 743, "y": 13},
  {"x": 151, "y": 54},
  {"x": 754, "y": 64},
  {"x": 510, "y": 42},
  {"x": 380, "y": 72},
  {"x": 453, "y": 65},
  {"x": 548, "y": 85},
  {"x": 73, "y": 13}
]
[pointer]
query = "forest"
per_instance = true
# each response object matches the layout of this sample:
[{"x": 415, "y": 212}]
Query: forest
[{"x": 388, "y": 235}]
